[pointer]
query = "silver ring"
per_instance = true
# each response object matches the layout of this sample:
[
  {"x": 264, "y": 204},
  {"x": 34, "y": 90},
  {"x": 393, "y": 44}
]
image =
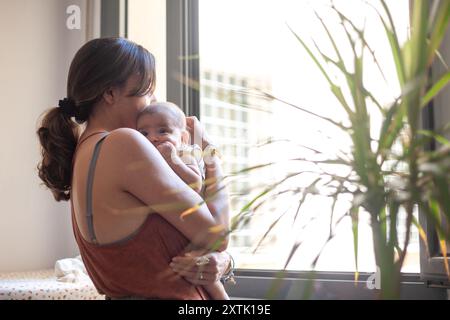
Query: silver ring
[{"x": 201, "y": 276}]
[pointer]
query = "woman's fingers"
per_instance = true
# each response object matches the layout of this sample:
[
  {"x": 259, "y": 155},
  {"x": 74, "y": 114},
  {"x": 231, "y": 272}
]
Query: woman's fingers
[
  {"x": 200, "y": 277},
  {"x": 190, "y": 121},
  {"x": 199, "y": 268},
  {"x": 195, "y": 130},
  {"x": 207, "y": 259},
  {"x": 192, "y": 267}
]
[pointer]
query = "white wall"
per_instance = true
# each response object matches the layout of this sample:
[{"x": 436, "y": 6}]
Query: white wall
[
  {"x": 35, "y": 53},
  {"x": 147, "y": 27}
]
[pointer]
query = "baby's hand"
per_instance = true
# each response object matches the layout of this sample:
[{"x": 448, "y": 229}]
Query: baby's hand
[{"x": 167, "y": 150}]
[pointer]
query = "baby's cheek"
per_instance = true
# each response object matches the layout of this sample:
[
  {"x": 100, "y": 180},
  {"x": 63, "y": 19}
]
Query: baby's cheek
[{"x": 172, "y": 140}]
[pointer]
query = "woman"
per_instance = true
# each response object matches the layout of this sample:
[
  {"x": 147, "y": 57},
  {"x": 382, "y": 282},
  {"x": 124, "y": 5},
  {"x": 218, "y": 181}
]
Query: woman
[{"x": 112, "y": 174}]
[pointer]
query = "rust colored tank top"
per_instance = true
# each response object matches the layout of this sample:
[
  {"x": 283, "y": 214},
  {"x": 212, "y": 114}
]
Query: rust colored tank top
[{"x": 137, "y": 266}]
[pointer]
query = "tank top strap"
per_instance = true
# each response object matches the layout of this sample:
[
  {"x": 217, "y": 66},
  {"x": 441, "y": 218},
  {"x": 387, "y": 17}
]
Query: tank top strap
[{"x": 89, "y": 187}]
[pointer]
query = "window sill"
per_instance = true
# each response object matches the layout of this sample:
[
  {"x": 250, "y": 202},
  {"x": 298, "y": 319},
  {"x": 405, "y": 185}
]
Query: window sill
[{"x": 257, "y": 284}]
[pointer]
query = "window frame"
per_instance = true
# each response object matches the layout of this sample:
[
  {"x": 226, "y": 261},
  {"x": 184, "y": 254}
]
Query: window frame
[
  {"x": 256, "y": 284},
  {"x": 183, "y": 68},
  {"x": 183, "y": 41},
  {"x": 114, "y": 18},
  {"x": 432, "y": 267}
]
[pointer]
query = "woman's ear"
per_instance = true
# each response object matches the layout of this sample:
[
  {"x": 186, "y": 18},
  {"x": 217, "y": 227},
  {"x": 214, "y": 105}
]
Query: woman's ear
[
  {"x": 109, "y": 95},
  {"x": 185, "y": 137}
]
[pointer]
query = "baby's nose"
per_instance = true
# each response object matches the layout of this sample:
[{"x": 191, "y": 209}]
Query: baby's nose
[{"x": 154, "y": 139}]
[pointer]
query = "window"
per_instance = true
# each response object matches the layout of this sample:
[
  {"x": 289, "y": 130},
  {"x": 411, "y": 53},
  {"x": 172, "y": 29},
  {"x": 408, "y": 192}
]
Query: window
[
  {"x": 245, "y": 44},
  {"x": 258, "y": 52},
  {"x": 436, "y": 116}
]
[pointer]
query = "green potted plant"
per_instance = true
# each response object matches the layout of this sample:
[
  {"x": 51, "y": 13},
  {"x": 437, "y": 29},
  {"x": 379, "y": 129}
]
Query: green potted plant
[{"x": 396, "y": 171}]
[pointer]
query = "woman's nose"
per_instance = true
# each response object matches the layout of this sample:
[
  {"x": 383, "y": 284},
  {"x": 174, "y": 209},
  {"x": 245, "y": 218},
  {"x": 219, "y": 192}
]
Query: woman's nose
[{"x": 154, "y": 139}]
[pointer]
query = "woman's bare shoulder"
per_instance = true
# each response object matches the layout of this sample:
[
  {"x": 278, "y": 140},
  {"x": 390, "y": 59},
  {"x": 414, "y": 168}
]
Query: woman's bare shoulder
[
  {"x": 125, "y": 135},
  {"x": 127, "y": 141}
]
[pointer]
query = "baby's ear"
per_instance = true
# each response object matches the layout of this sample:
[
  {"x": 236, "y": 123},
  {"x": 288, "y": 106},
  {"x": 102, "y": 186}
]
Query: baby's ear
[{"x": 185, "y": 137}]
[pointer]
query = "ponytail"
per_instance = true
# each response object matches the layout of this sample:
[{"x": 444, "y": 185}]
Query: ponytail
[{"x": 58, "y": 136}]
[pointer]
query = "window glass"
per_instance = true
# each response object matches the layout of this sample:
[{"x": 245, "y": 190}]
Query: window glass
[{"x": 246, "y": 48}]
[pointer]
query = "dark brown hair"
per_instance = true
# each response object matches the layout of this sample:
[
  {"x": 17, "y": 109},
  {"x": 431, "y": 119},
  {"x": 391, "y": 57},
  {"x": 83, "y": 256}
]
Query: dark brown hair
[{"x": 97, "y": 66}]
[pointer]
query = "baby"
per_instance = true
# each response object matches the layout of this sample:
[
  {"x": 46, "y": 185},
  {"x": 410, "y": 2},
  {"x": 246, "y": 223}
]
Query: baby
[{"x": 164, "y": 125}]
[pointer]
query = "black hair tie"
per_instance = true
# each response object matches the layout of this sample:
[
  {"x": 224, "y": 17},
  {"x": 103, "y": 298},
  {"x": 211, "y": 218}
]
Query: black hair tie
[{"x": 68, "y": 107}]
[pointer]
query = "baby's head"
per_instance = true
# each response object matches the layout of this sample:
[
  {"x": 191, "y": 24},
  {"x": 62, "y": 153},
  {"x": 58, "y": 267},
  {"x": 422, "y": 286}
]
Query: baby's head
[{"x": 163, "y": 122}]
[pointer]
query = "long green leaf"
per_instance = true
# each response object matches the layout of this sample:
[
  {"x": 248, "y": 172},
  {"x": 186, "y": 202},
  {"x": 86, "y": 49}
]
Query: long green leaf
[
  {"x": 272, "y": 225},
  {"x": 422, "y": 234},
  {"x": 363, "y": 39},
  {"x": 292, "y": 253},
  {"x": 435, "y": 89},
  {"x": 303, "y": 198},
  {"x": 393, "y": 232},
  {"x": 340, "y": 64},
  {"x": 334, "y": 88},
  {"x": 443, "y": 246},
  {"x": 419, "y": 29},
  {"x": 313, "y": 57},
  {"x": 431, "y": 210},
  {"x": 432, "y": 134},
  {"x": 437, "y": 32},
  {"x": 441, "y": 59},
  {"x": 393, "y": 42},
  {"x": 443, "y": 194},
  {"x": 442, "y": 235},
  {"x": 339, "y": 125}
]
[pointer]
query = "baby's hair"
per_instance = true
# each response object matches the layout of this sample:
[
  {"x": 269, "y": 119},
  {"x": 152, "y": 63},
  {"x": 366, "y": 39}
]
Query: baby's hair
[{"x": 157, "y": 107}]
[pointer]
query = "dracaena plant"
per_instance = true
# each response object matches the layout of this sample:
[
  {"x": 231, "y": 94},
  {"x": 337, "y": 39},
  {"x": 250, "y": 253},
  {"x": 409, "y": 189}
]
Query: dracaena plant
[{"x": 395, "y": 171}]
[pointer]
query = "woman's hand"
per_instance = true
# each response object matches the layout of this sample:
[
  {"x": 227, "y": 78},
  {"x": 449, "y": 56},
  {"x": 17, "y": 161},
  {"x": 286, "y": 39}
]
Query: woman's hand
[
  {"x": 197, "y": 132},
  {"x": 201, "y": 269}
]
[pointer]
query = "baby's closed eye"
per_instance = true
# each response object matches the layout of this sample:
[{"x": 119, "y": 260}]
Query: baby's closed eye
[{"x": 164, "y": 130}]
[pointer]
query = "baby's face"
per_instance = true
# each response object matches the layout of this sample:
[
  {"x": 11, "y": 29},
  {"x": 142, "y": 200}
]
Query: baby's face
[{"x": 160, "y": 127}]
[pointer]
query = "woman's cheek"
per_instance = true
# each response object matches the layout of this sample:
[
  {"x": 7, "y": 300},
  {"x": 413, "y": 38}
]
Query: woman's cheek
[{"x": 147, "y": 100}]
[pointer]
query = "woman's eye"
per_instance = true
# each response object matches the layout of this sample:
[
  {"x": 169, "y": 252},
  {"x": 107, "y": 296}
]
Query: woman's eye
[
  {"x": 164, "y": 131},
  {"x": 144, "y": 133}
]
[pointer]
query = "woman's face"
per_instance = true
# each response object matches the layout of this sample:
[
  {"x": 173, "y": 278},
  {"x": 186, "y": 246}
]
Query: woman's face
[{"x": 130, "y": 106}]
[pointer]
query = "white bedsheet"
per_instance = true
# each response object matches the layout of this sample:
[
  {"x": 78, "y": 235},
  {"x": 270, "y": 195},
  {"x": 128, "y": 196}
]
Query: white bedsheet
[{"x": 43, "y": 285}]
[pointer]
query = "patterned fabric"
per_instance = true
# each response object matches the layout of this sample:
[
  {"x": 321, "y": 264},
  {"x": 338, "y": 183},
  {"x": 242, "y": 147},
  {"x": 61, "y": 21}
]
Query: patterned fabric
[{"x": 42, "y": 285}]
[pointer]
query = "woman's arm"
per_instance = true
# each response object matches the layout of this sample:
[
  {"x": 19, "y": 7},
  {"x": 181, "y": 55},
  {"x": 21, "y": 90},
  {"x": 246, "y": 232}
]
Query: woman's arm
[
  {"x": 217, "y": 291},
  {"x": 148, "y": 177},
  {"x": 216, "y": 193}
]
